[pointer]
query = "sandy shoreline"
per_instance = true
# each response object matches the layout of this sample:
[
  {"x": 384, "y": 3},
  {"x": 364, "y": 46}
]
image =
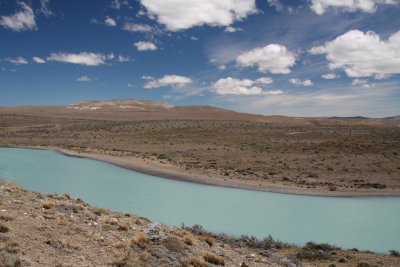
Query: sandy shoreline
[{"x": 171, "y": 172}]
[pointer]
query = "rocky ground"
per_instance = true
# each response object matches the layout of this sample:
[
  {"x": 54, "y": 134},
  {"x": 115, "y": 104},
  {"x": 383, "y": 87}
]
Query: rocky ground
[
  {"x": 311, "y": 156},
  {"x": 55, "y": 230}
]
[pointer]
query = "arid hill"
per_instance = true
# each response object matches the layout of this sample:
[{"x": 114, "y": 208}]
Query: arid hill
[
  {"x": 131, "y": 109},
  {"x": 316, "y": 156}
]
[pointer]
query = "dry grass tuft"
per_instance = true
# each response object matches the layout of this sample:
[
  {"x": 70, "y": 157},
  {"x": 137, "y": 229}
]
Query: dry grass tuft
[
  {"x": 209, "y": 241},
  {"x": 195, "y": 262},
  {"x": 173, "y": 244},
  {"x": 141, "y": 240},
  {"x": 48, "y": 205},
  {"x": 3, "y": 228},
  {"x": 214, "y": 259},
  {"x": 188, "y": 240}
]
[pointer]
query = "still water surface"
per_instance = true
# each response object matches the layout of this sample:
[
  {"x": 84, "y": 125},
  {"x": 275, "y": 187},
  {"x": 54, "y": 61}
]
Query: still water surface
[{"x": 366, "y": 223}]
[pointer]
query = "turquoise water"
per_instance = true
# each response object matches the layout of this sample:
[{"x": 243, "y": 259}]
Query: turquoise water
[{"x": 365, "y": 223}]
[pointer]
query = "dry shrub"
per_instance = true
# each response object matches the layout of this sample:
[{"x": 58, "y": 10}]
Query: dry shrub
[
  {"x": 120, "y": 244},
  {"x": 146, "y": 256},
  {"x": 48, "y": 205},
  {"x": 173, "y": 244},
  {"x": 195, "y": 262},
  {"x": 141, "y": 240},
  {"x": 101, "y": 211},
  {"x": 214, "y": 259},
  {"x": 127, "y": 262},
  {"x": 123, "y": 227},
  {"x": 209, "y": 241},
  {"x": 3, "y": 228},
  {"x": 188, "y": 240}
]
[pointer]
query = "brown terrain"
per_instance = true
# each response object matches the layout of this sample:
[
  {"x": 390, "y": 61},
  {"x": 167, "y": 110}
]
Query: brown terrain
[
  {"x": 316, "y": 156},
  {"x": 56, "y": 230}
]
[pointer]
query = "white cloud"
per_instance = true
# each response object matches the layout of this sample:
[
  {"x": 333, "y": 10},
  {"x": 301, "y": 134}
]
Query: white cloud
[
  {"x": 221, "y": 67},
  {"x": 299, "y": 82},
  {"x": 17, "y": 61},
  {"x": 277, "y": 4},
  {"x": 194, "y": 38},
  {"x": 83, "y": 58},
  {"x": 136, "y": 27},
  {"x": 110, "y": 22},
  {"x": 362, "y": 83},
  {"x": 167, "y": 80},
  {"x": 369, "y": 6},
  {"x": 273, "y": 58},
  {"x": 38, "y": 60},
  {"x": 117, "y": 4},
  {"x": 232, "y": 29},
  {"x": 359, "y": 82},
  {"x": 84, "y": 79},
  {"x": 362, "y": 54},
  {"x": 122, "y": 59},
  {"x": 44, "y": 9},
  {"x": 274, "y": 92},
  {"x": 265, "y": 80},
  {"x": 233, "y": 86},
  {"x": 130, "y": 85},
  {"x": 20, "y": 21},
  {"x": 145, "y": 46},
  {"x": 184, "y": 14},
  {"x": 330, "y": 76}
]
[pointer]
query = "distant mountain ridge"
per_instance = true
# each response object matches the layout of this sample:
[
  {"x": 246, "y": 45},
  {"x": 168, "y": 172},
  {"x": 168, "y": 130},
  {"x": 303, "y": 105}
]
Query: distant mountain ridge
[{"x": 136, "y": 110}]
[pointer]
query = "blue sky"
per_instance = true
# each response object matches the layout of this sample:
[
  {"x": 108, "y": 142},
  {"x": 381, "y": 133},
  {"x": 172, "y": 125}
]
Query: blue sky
[{"x": 298, "y": 58}]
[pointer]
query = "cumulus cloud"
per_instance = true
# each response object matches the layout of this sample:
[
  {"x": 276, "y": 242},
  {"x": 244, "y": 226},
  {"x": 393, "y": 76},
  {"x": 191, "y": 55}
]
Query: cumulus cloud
[
  {"x": 184, "y": 14},
  {"x": 330, "y": 76},
  {"x": 274, "y": 92},
  {"x": 167, "y": 80},
  {"x": 110, "y": 22},
  {"x": 233, "y": 86},
  {"x": 83, "y": 58},
  {"x": 299, "y": 82},
  {"x": 136, "y": 27},
  {"x": 145, "y": 46},
  {"x": 38, "y": 60},
  {"x": 273, "y": 58},
  {"x": 84, "y": 79},
  {"x": 232, "y": 29},
  {"x": 265, "y": 80},
  {"x": 17, "y": 61},
  {"x": 362, "y": 54},
  {"x": 369, "y": 6},
  {"x": 20, "y": 21}
]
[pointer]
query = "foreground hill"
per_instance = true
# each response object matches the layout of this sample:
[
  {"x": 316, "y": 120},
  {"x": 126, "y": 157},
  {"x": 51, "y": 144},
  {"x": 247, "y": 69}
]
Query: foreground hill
[
  {"x": 314, "y": 156},
  {"x": 57, "y": 230}
]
